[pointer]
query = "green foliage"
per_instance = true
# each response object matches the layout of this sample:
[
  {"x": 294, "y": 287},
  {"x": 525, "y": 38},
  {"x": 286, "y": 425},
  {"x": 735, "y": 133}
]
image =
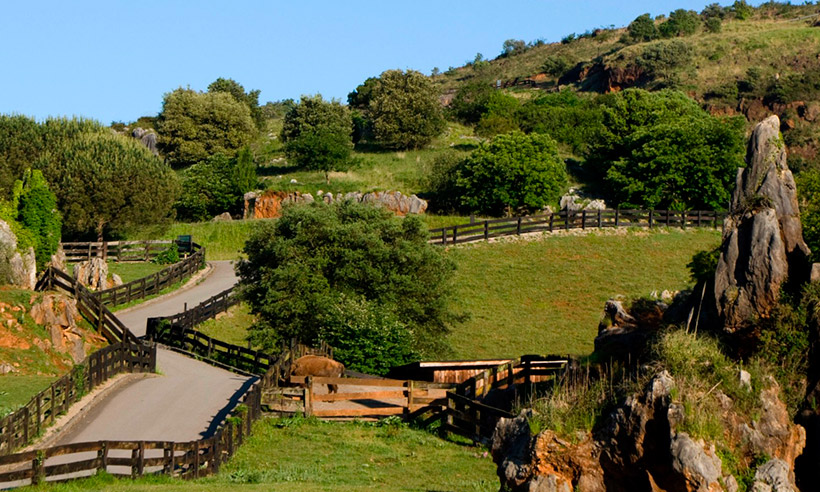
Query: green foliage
[
  {"x": 808, "y": 189},
  {"x": 305, "y": 267},
  {"x": 564, "y": 116},
  {"x": 742, "y": 10},
  {"x": 662, "y": 58},
  {"x": 642, "y": 29},
  {"x": 317, "y": 135},
  {"x": 499, "y": 116},
  {"x": 367, "y": 337},
  {"x": 214, "y": 186},
  {"x": 471, "y": 101},
  {"x": 167, "y": 257},
  {"x": 37, "y": 208},
  {"x": 513, "y": 47},
  {"x": 360, "y": 98},
  {"x": 557, "y": 65},
  {"x": 193, "y": 126},
  {"x": 106, "y": 183},
  {"x": 405, "y": 110},
  {"x": 681, "y": 22},
  {"x": 440, "y": 181},
  {"x": 510, "y": 173},
  {"x": 703, "y": 265},
  {"x": 250, "y": 98},
  {"x": 661, "y": 150},
  {"x": 713, "y": 24}
]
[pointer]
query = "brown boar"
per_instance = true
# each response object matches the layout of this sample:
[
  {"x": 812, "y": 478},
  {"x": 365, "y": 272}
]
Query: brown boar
[{"x": 316, "y": 365}]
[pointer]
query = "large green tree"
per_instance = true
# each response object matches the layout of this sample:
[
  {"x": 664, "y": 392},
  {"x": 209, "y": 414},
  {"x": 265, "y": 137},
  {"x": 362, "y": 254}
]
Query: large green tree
[
  {"x": 106, "y": 183},
  {"x": 511, "y": 172},
  {"x": 215, "y": 185},
  {"x": 350, "y": 273},
  {"x": 317, "y": 135},
  {"x": 194, "y": 125},
  {"x": 661, "y": 150},
  {"x": 249, "y": 98},
  {"x": 404, "y": 110},
  {"x": 37, "y": 208}
]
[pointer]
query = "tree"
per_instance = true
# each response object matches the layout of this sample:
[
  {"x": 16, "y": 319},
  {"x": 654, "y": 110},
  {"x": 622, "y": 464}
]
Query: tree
[
  {"x": 250, "y": 98},
  {"x": 194, "y": 125},
  {"x": 511, "y": 172},
  {"x": 471, "y": 101},
  {"x": 513, "y": 47},
  {"x": 642, "y": 29},
  {"x": 317, "y": 135},
  {"x": 661, "y": 150},
  {"x": 499, "y": 116},
  {"x": 215, "y": 185},
  {"x": 348, "y": 271},
  {"x": 105, "y": 183},
  {"x": 681, "y": 22},
  {"x": 404, "y": 110},
  {"x": 360, "y": 98},
  {"x": 37, "y": 208},
  {"x": 742, "y": 10}
]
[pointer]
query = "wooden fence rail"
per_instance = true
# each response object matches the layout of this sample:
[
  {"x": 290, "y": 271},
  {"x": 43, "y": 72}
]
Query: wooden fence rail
[
  {"x": 155, "y": 283},
  {"x": 22, "y": 426},
  {"x": 583, "y": 219},
  {"x": 188, "y": 460},
  {"x": 121, "y": 251}
]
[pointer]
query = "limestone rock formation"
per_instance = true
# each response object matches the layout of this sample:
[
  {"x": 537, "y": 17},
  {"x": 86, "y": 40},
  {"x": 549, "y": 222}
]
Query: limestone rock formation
[
  {"x": 622, "y": 334},
  {"x": 16, "y": 268},
  {"x": 762, "y": 237},
  {"x": 58, "y": 259},
  {"x": 147, "y": 138},
  {"x": 223, "y": 217},
  {"x": 268, "y": 204},
  {"x": 575, "y": 202},
  {"x": 59, "y": 314},
  {"x": 92, "y": 273},
  {"x": 639, "y": 447}
]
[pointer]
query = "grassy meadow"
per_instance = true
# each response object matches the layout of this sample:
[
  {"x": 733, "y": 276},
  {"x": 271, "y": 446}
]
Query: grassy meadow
[
  {"x": 309, "y": 455},
  {"x": 17, "y": 390}
]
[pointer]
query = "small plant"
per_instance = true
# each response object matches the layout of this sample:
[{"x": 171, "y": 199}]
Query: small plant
[{"x": 168, "y": 257}]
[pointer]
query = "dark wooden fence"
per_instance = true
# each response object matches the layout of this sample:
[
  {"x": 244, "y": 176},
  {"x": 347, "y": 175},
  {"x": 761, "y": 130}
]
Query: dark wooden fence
[
  {"x": 120, "y": 251},
  {"x": 89, "y": 306},
  {"x": 21, "y": 427},
  {"x": 188, "y": 460},
  {"x": 583, "y": 219},
  {"x": 153, "y": 284},
  {"x": 207, "y": 309}
]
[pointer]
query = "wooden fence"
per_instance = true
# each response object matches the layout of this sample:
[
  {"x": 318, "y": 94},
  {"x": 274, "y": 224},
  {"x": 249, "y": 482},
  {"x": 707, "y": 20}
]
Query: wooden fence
[
  {"x": 121, "y": 251},
  {"x": 188, "y": 460},
  {"x": 21, "y": 427},
  {"x": 584, "y": 219},
  {"x": 207, "y": 309},
  {"x": 89, "y": 306},
  {"x": 153, "y": 284}
]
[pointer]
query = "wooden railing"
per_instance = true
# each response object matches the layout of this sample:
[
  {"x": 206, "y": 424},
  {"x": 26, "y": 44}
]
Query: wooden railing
[
  {"x": 22, "y": 426},
  {"x": 120, "y": 251},
  {"x": 188, "y": 460},
  {"x": 583, "y": 219},
  {"x": 207, "y": 309},
  {"x": 154, "y": 284},
  {"x": 89, "y": 306}
]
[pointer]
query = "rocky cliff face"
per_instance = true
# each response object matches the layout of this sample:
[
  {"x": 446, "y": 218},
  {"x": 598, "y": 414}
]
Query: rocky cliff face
[
  {"x": 16, "y": 268},
  {"x": 268, "y": 204},
  {"x": 762, "y": 238},
  {"x": 639, "y": 448}
]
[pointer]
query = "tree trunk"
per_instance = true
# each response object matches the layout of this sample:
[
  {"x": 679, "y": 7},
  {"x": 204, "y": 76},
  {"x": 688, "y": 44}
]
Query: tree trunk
[
  {"x": 327, "y": 177},
  {"x": 99, "y": 228}
]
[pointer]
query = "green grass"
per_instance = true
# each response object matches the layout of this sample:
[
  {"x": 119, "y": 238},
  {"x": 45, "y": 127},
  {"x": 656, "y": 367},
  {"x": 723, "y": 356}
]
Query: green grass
[
  {"x": 309, "y": 455},
  {"x": 17, "y": 390},
  {"x": 134, "y": 271},
  {"x": 229, "y": 327},
  {"x": 546, "y": 296}
]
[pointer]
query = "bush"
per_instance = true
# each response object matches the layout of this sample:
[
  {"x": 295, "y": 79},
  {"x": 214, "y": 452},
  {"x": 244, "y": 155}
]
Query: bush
[
  {"x": 317, "y": 135},
  {"x": 471, "y": 101},
  {"x": 713, "y": 25},
  {"x": 303, "y": 270},
  {"x": 681, "y": 22},
  {"x": 168, "y": 256},
  {"x": 440, "y": 181},
  {"x": 742, "y": 10},
  {"x": 512, "y": 172},
  {"x": 37, "y": 208},
  {"x": 557, "y": 65},
  {"x": 404, "y": 110},
  {"x": 214, "y": 186},
  {"x": 513, "y": 47},
  {"x": 808, "y": 189},
  {"x": 662, "y": 58},
  {"x": 563, "y": 116},
  {"x": 642, "y": 29}
]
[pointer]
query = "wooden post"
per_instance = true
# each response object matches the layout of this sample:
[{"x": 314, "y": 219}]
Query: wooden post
[
  {"x": 39, "y": 411},
  {"x": 617, "y": 217},
  {"x": 518, "y": 227},
  {"x": 196, "y": 459},
  {"x": 102, "y": 454},
  {"x": 455, "y": 234},
  {"x": 566, "y": 220},
  {"x": 551, "y": 220},
  {"x": 600, "y": 222},
  {"x": 141, "y": 459},
  {"x": 308, "y": 396},
  {"x": 667, "y": 217},
  {"x": 409, "y": 396},
  {"x": 651, "y": 218},
  {"x": 583, "y": 219},
  {"x": 699, "y": 217},
  {"x": 168, "y": 460},
  {"x": 37, "y": 469},
  {"x": 486, "y": 230},
  {"x": 683, "y": 219},
  {"x": 715, "y": 221},
  {"x": 443, "y": 235}
]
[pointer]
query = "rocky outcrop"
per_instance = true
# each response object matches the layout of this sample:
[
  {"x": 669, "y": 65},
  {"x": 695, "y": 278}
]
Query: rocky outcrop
[
  {"x": 268, "y": 204},
  {"x": 762, "y": 237},
  {"x": 94, "y": 274},
  {"x": 16, "y": 268},
  {"x": 223, "y": 217},
  {"x": 58, "y": 259},
  {"x": 575, "y": 202},
  {"x": 623, "y": 335},
  {"x": 147, "y": 138},
  {"x": 639, "y": 448},
  {"x": 59, "y": 315}
]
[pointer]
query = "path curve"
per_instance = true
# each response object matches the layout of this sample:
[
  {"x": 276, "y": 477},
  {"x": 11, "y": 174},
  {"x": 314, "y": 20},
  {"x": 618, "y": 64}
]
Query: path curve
[{"x": 186, "y": 401}]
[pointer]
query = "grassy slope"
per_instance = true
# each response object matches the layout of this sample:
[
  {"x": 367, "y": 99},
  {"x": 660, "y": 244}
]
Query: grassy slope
[
  {"x": 308, "y": 455},
  {"x": 229, "y": 327},
  {"x": 546, "y": 296},
  {"x": 17, "y": 390},
  {"x": 134, "y": 271}
]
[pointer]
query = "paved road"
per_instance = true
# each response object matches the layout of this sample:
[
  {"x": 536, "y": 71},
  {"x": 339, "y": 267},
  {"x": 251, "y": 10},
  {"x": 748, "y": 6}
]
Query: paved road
[{"x": 187, "y": 401}]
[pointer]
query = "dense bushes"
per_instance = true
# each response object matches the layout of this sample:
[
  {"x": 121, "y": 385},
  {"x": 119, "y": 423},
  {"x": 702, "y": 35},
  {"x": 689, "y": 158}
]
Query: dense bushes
[
  {"x": 352, "y": 273},
  {"x": 37, "y": 209},
  {"x": 216, "y": 185}
]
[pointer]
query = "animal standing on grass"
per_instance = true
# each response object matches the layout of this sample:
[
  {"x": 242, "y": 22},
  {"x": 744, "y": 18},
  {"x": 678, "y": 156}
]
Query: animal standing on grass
[{"x": 316, "y": 365}]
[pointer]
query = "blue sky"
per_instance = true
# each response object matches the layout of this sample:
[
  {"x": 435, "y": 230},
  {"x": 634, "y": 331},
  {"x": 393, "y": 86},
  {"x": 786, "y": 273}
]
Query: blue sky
[{"x": 113, "y": 60}]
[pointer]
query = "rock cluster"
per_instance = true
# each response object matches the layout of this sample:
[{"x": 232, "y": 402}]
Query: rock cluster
[
  {"x": 268, "y": 204},
  {"x": 16, "y": 268},
  {"x": 59, "y": 315},
  {"x": 623, "y": 334},
  {"x": 94, "y": 274},
  {"x": 147, "y": 138},
  {"x": 575, "y": 202},
  {"x": 640, "y": 448},
  {"x": 762, "y": 237}
]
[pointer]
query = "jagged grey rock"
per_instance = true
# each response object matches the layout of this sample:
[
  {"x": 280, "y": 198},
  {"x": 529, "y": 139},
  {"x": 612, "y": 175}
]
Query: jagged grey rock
[
  {"x": 689, "y": 458},
  {"x": 773, "y": 476},
  {"x": 16, "y": 268},
  {"x": 762, "y": 236},
  {"x": 511, "y": 449},
  {"x": 92, "y": 273}
]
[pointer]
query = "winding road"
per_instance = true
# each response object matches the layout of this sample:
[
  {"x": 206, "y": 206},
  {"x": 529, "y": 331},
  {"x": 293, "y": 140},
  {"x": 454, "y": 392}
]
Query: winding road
[{"x": 186, "y": 401}]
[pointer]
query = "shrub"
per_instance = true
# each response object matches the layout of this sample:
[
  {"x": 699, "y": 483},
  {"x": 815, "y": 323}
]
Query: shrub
[
  {"x": 471, "y": 101},
  {"x": 563, "y": 116},
  {"x": 513, "y": 47},
  {"x": 440, "y": 181},
  {"x": 681, "y": 22},
  {"x": 662, "y": 58},
  {"x": 556, "y": 65},
  {"x": 167, "y": 257},
  {"x": 713, "y": 24},
  {"x": 642, "y": 29},
  {"x": 250, "y": 98},
  {"x": 213, "y": 186},
  {"x": 808, "y": 189},
  {"x": 317, "y": 135},
  {"x": 303, "y": 270},
  {"x": 512, "y": 172},
  {"x": 37, "y": 208},
  {"x": 742, "y": 10}
]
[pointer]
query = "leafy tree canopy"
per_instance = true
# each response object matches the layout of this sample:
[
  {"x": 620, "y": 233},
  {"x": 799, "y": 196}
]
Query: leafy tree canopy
[
  {"x": 317, "y": 135},
  {"x": 681, "y": 22},
  {"x": 193, "y": 126},
  {"x": 37, "y": 208},
  {"x": 404, "y": 110},
  {"x": 643, "y": 29},
  {"x": 353, "y": 273},
  {"x": 512, "y": 172},
  {"x": 216, "y": 185},
  {"x": 250, "y": 98}
]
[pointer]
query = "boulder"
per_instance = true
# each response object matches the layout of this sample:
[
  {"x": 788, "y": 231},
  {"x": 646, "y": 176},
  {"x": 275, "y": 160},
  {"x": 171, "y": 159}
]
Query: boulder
[
  {"x": 700, "y": 466},
  {"x": 18, "y": 268},
  {"x": 6, "y": 368},
  {"x": 223, "y": 217},
  {"x": 92, "y": 273},
  {"x": 575, "y": 202},
  {"x": 623, "y": 335},
  {"x": 59, "y": 315},
  {"x": 147, "y": 138},
  {"x": 58, "y": 259},
  {"x": 762, "y": 236},
  {"x": 773, "y": 476}
]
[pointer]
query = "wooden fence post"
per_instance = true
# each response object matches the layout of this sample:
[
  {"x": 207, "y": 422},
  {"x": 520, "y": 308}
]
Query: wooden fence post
[
  {"x": 196, "y": 459},
  {"x": 409, "y": 396},
  {"x": 551, "y": 221},
  {"x": 486, "y": 230},
  {"x": 308, "y": 396},
  {"x": 651, "y": 218},
  {"x": 518, "y": 227},
  {"x": 683, "y": 219},
  {"x": 617, "y": 217},
  {"x": 455, "y": 234},
  {"x": 444, "y": 235},
  {"x": 600, "y": 223},
  {"x": 667, "y": 217},
  {"x": 583, "y": 219},
  {"x": 141, "y": 459}
]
